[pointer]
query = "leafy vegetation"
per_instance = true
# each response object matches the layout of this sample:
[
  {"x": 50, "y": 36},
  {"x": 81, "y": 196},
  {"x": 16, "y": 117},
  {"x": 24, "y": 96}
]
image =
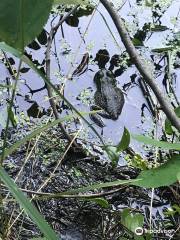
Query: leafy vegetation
[
  {"x": 22, "y": 27},
  {"x": 19, "y": 30}
]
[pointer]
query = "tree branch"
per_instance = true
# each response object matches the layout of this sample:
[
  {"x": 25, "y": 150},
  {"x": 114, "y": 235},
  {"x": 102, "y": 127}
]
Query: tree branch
[
  {"x": 48, "y": 60},
  {"x": 136, "y": 58}
]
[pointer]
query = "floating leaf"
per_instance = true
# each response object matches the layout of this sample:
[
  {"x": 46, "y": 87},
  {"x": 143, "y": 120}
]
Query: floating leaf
[
  {"x": 137, "y": 42},
  {"x": 159, "y": 28},
  {"x": 148, "y": 3},
  {"x": 164, "y": 175}
]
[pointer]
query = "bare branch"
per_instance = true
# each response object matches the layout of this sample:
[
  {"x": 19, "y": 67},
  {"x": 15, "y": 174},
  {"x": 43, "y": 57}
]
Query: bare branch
[
  {"x": 140, "y": 64},
  {"x": 48, "y": 74}
]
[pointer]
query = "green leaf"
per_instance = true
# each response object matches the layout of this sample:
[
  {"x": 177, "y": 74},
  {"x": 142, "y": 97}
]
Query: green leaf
[
  {"x": 137, "y": 42},
  {"x": 169, "y": 212},
  {"x": 7, "y": 48},
  {"x": 74, "y": 2},
  {"x": 125, "y": 141},
  {"x": 22, "y": 20},
  {"x": 156, "y": 143},
  {"x": 178, "y": 176},
  {"x": 148, "y": 236},
  {"x": 12, "y": 117},
  {"x": 100, "y": 201},
  {"x": 168, "y": 125},
  {"x": 3, "y": 117},
  {"x": 112, "y": 154},
  {"x": 138, "y": 162},
  {"x": 158, "y": 28},
  {"x": 131, "y": 221},
  {"x": 177, "y": 208},
  {"x": 28, "y": 206},
  {"x": 164, "y": 175}
]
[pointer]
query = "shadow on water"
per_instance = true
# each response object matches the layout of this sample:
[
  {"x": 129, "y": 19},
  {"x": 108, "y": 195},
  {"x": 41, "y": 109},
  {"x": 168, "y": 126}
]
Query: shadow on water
[
  {"x": 76, "y": 57},
  {"x": 68, "y": 55}
]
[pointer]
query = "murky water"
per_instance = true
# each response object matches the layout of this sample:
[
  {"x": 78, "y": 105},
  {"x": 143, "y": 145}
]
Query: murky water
[{"x": 92, "y": 35}]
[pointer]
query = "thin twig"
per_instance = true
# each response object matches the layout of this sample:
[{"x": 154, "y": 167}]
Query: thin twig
[
  {"x": 49, "y": 178},
  {"x": 47, "y": 196},
  {"x": 9, "y": 110},
  {"x": 140, "y": 64},
  {"x": 49, "y": 90}
]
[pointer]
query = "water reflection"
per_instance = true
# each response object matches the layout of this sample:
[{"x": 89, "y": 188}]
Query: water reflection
[{"x": 88, "y": 53}]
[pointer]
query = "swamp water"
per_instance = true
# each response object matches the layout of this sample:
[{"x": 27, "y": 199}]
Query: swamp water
[{"x": 90, "y": 33}]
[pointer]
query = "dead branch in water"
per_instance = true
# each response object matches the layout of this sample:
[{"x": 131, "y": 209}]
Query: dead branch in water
[{"x": 140, "y": 64}]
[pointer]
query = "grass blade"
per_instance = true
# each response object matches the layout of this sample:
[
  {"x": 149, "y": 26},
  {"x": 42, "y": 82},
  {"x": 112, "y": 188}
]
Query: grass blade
[
  {"x": 28, "y": 206},
  {"x": 26, "y": 60},
  {"x": 156, "y": 143},
  {"x": 17, "y": 144}
]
